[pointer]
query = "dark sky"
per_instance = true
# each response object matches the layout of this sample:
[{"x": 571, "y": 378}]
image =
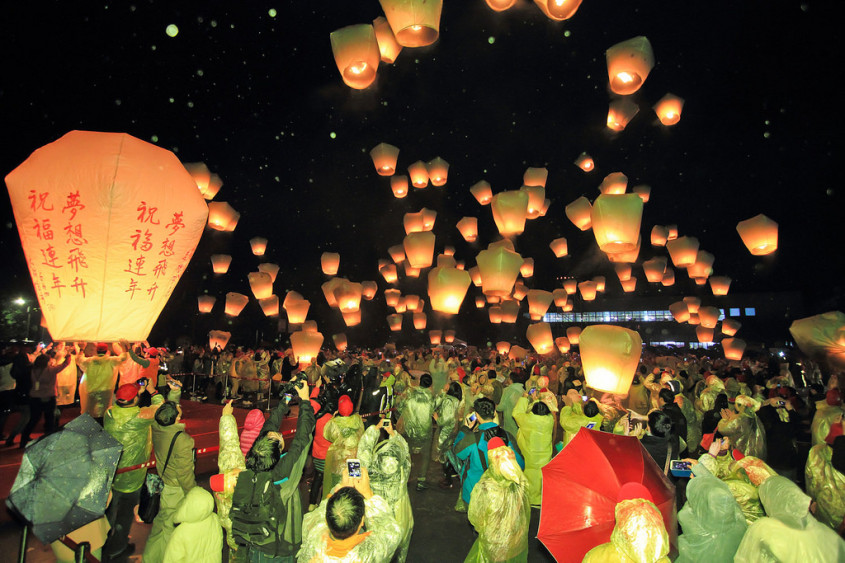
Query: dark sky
[{"x": 259, "y": 100}]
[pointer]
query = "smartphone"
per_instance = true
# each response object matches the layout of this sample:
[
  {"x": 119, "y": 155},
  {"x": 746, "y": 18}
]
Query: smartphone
[
  {"x": 781, "y": 403},
  {"x": 288, "y": 397},
  {"x": 354, "y": 467},
  {"x": 142, "y": 382},
  {"x": 585, "y": 398},
  {"x": 680, "y": 468},
  {"x": 534, "y": 390},
  {"x": 472, "y": 417}
]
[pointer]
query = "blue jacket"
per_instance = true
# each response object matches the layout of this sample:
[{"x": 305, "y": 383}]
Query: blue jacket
[{"x": 465, "y": 447}]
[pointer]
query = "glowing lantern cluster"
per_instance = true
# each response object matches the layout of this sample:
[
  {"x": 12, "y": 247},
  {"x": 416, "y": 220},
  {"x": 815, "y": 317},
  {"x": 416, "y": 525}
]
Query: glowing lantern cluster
[
  {"x": 438, "y": 171},
  {"x": 235, "y": 303},
  {"x": 693, "y": 304},
  {"x": 585, "y": 162},
  {"x": 560, "y": 247},
  {"x": 668, "y": 109},
  {"x": 468, "y": 226},
  {"x": 209, "y": 184},
  {"x": 558, "y": 10},
  {"x": 218, "y": 339},
  {"x": 615, "y": 183},
  {"x": 205, "y": 303},
  {"x": 538, "y": 303},
  {"x": 330, "y": 262},
  {"x": 510, "y": 210},
  {"x": 384, "y": 159},
  {"x": 616, "y": 222},
  {"x": 399, "y": 186},
  {"x": 261, "y": 284},
  {"x": 220, "y": 263},
  {"x": 760, "y": 234},
  {"x": 418, "y": 173},
  {"x": 415, "y": 23},
  {"x": 419, "y": 249},
  {"x": 388, "y": 47},
  {"x": 306, "y": 346},
  {"x": 447, "y": 288},
  {"x": 498, "y": 268},
  {"x": 609, "y": 356},
  {"x": 356, "y": 54},
  {"x": 222, "y": 217},
  {"x": 340, "y": 341},
  {"x": 540, "y": 337},
  {"x": 579, "y": 212},
  {"x": 628, "y": 65},
  {"x": 620, "y": 113}
]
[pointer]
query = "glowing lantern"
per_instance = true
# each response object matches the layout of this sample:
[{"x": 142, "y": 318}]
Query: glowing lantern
[
  {"x": 560, "y": 247},
  {"x": 340, "y": 341},
  {"x": 527, "y": 268},
  {"x": 388, "y": 47},
  {"x": 419, "y": 174},
  {"x": 540, "y": 337},
  {"x": 270, "y": 269},
  {"x": 397, "y": 252},
  {"x": 730, "y": 326},
  {"x": 446, "y": 261},
  {"x": 536, "y": 200},
  {"x": 392, "y": 296},
  {"x": 352, "y": 319},
  {"x": 668, "y": 278},
  {"x": 419, "y": 321},
  {"x": 654, "y": 269},
  {"x": 760, "y": 234},
  {"x": 468, "y": 226},
  {"x": 235, "y": 303},
  {"x": 309, "y": 326},
  {"x": 708, "y": 316},
  {"x": 588, "y": 290},
  {"x": 382, "y": 263},
  {"x": 480, "y": 302},
  {"x": 609, "y": 357},
  {"x": 629, "y": 285},
  {"x": 428, "y": 217},
  {"x": 693, "y": 304},
  {"x": 683, "y": 250},
  {"x": 693, "y": 319},
  {"x": 679, "y": 311},
  {"x": 535, "y": 177},
  {"x": 568, "y": 307},
  {"x": 449, "y": 336},
  {"x": 579, "y": 212},
  {"x": 269, "y": 306},
  {"x": 614, "y": 183},
  {"x": 356, "y": 54},
  {"x": 214, "y": 185},
  {"x": 620, "y": 113},
  {"x": 438, "y": 171},
  {"x": 734, "y": 348},
  {"x": 659, "y": 235},
  {"x": 293, "y": 296},
  {"x": 538, "y": 303},
  {"x": 475, "y": 276},
  {"x": 600, "y": 283},
  {"x": 200, "y": 173},
  {"x": 261, "y": 285},
  {"x": 643, "y": 191},
  {"x": 297, "y": 310},
  {"x": 328, "y": 292},
  {"x": 562, "y": 344},
  {"x": 306, "y": 346},
  {"x": 498, "y": 268},
  {"x": 413, "y": 302},
  {"x": 348, "y": 296},
  {"x": 389, "y": 273},
  {"x": 258, "y": 245},
  {"x": 573, "y": 333},
  {"x": 434, "y": 336},
  {"x": 449, "y": 250},
  {"x": 221, "y": 216},
  {"x": 504, "y": 243},
  {"x": 673, "y": 232},
  {"x": 394, "y": 322},
  {"x": 400, "y": 306},
  {"x": 205, "y": 303},
  {"x": 503, "y": 348},
  {"x": 623, "y": 271},
  {"x": 411, "y": 272},
  {"x": 570, "y": 286},
  {"x": 558, "y": 10},
  {"x": 668, "y": 109},
  {"x": 415, "y": 23},
  {"x": 384, "y": 158},
  {"x": 626, "y": 257},
  {"x": 616, "y": 222},
  {"x": 482, "y": 192},
  {"x": 510, "y": 311},
  {"x": 399, "y": 185},
  {"x": 720, "y": 285},
  {"x": 447, "y": 288},
  {"x": 585, "y": 162},
  {"x": 628, "y": 65},
  {"x": 560, "y": 297},
  {"x": 368, "y": 290},
  {"x": 218, "y": 339},
  {"x": 419, "y": 248},
  {"x": 510, "y": 209},
  {"x": 500, "y": 5},
  {"x": 703, "y": 266},
  {"x": 520, "y": 290},
  {"x": 704, "y": 334},
  {"x": 220, "y": 263},
  {"x": 330, "y": 262}
]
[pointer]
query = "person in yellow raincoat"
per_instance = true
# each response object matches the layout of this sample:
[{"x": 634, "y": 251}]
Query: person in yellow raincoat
[
  {"x": 720, "y": 462},
  {"x": 707, "y": 400},
  {"x": 745, "y": 430},
  {"x": 230, "y": 462},
  {"x": 826, "y": 484},
  {"x": 536, "y": 429},
  {"x": 344, "y": 431},
  {"x": 827, "y": 410},
  {"x": 573, "y": 416},
  {"x": 96, "y": 388},
  {"x": 499, "y": 509}
]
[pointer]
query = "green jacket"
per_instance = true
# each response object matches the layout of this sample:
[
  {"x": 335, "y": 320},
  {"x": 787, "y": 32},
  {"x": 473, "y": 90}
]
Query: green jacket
[
  {"x": 535, "y": 442},
  {"x": 198, "y": 537},
  {"x": 572, "y": 419},
  {"x": 180, "y": 468},
  {"x": 126, "y": 426}
]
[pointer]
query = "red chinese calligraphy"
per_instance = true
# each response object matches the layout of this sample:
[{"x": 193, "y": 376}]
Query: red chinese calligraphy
[
  {"x": 38, "y": 200},
  {"x": 160, "y": 269},
  {"x": 50, "y": 257},
  {"x": 76, "y": 258},
  {"x": 79, "y": 285},
  {"x": 133, "y": 287},
  {"x": 57, "y": 284},
  {"x": 176, "y": 223},
  {"x": 73, "y": 234},
  {"x": 73, "y": 204},
  {"x": 42, "y": 229},
  {"x": 146, "y": 245},
  {"x": 167, "y": 247},
  {"x": 152, "y": 291},
  {"x": 139, "y": 263},
  {"x": 147, "y": 214}
]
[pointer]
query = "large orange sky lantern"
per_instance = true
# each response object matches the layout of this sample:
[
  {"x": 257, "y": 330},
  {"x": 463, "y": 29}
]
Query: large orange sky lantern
[
  {"x": 330, "y": 262},
  {"x": 499, "y": 268},
  {"x": 540, "y": 337},
  {"x": 419, "y": 248},
  {"x": 447, "y": 288},
  {"x": 384, "y": 159},
  {"x": 415, "y": 23},
  {"x": 306, "y": 346},
  {"x": 510, "y": 210},
  {"x": 760, "y": 234},
  {"x": 609, "y": 356},
  {"x": 356, "y": 54},
  {"x": 616, "y": 222},
  {"x": 579, "y": 212},
  {"x": 628, "y": 65}
]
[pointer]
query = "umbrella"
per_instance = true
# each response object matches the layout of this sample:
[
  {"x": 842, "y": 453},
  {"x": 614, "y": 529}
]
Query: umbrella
[
  {"x": 65, "y": 478},
  {"x": 580, "y": 487}
]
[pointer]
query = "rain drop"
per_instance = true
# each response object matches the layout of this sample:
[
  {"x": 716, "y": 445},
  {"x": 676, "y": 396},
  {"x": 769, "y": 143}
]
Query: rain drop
[{"x": 272, "y": 12}]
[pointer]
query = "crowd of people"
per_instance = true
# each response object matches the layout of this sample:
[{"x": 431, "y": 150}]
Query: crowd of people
[{"x": 763, "y": 438}]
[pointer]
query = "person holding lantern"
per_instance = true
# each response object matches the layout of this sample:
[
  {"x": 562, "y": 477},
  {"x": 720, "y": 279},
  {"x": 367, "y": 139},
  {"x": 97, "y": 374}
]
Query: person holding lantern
[{"x": 96, "y": 389}]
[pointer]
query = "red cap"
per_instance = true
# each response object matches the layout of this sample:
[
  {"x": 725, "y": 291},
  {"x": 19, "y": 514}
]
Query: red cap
[
  {"x": 631, "y": 490},
  {"x": 217, "y": 482},
  {"x": 344, "y": 406},
  {"x": 462, "y": 373},
  {"x": 127, "y": 392},
  {"x": 152, "y": 352},
  {"x": 833, "y": 397},
  {"x": 102, "y": 347},
  {"x": 495, "y": 443}
]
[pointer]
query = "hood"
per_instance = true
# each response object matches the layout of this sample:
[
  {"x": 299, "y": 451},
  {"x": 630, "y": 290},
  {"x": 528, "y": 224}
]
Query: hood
[
  {"x": 252, "y": 427},
  {"x": 639, "y": 532},
  {"x": 784, "y": 501},
  {"x": 197, "y": 505}
]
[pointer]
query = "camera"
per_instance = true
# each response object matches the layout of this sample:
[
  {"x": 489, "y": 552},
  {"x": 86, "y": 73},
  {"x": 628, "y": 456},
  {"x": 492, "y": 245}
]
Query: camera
[{"x": 290, "y": 387}]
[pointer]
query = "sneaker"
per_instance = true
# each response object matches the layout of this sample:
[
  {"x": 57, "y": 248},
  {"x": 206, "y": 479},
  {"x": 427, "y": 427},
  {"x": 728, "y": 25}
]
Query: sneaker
[{"x": 422, "y": 486}]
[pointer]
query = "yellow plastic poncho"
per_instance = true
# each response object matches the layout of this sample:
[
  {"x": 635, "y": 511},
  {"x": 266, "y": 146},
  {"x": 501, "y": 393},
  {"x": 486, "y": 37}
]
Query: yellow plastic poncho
[
  {"x": 745, "y": 430},
  {"x": 230, "y": 462},
  {"x": 825, "y": 485},
  {"x": 343, "y": 432},
  {"x": 822, "y": 420},
  {"x": 198, "y": 536},
  {"x": 572, "y": 419},
  {"x": 416, "y": 408},
  {"x": 789, "y": 534},
  {"x": 449, "y": 413},
  {"x": 534, "y": 438},
  {"x": 707, "y": 400},
  {"x": 499, "y": 511},
  {"x": 639, "y": 536},
  {"x": 96, "y": 388},
  {"x": 389, "y": 466},
  {"x": 735, "y": 477}
]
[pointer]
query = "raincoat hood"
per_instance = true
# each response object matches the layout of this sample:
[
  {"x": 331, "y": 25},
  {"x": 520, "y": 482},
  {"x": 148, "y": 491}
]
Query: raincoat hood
[
  {"x": 196, "y": 507},
  {"x": 252, "y": 427},
  {"x": 784, "y": 501},
  {"x": 639, "y": 532}
]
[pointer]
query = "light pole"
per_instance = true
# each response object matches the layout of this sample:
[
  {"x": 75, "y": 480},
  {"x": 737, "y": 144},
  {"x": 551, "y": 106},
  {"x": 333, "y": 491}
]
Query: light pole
[{"x": 21, "y": 301}]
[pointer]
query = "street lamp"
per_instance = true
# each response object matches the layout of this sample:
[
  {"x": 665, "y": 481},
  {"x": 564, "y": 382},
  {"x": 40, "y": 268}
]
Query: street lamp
[{"x": 20, "y": 301}]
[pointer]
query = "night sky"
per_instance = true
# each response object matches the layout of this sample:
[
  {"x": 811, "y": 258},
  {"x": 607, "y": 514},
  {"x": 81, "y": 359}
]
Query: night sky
[{"x": 252, "y": 90}]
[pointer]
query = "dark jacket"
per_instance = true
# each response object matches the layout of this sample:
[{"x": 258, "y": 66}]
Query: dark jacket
[
  {"x": 180, "y": 469},
  {"x": 679, "y": 421}
]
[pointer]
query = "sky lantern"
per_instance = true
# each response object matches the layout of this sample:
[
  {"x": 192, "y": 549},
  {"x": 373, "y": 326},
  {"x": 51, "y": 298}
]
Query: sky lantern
[
  {"x": 535, "y": 177},
  {"x": 568, "y": 307},
  {"x": 673, "y": 232},
  {"x": 220, "y": 263},
  {"x": 392, "y": 296},
  {"x": 570, "y": 286},
  {"x": 309, "y": 326},
  {"x": 538, "y": 303},
  {"x": 413, "y": 223},
  {"x": 413, "y": 303},
  {"x": 205, "y": 303},
  {"x": 269, "y": 306},
  {"x": 585, "y": 162},
  {"x": 200, "y": 174},
  {"x": 629, "y": 285},
  {"x": 328, "y": 292},
  {"x": 449, "y": 336},
  {"x": 627, "y": 257},
  {"x": 760, "y": 234},
  {"x": 615, "y": 183},
  {"x": 306, "y": 346},
  {"x": 668, "y": 278},
  {"x": 399, "y": 185},
  {"x": 480, "y": 302},
  {"x": 218, "y": 339},
  {"x": 468, "y": 227},
  {"x": 703, "y": 266},
  {"x": 419, "y": 174},
  {"x": 419, "y": 321},
  {"x": 356, "y": 54},
  {"x": 235, "y": 303},
  {"x": 330, "y": 262},
  {"x": 258, "y": 245},
  {"x": 261, "y": 284},
  {"x": 588, "y": 290},
  {"x": 720, "y": 285},
  {"x": 510, "y": 311},
  {"x": 410, "y": 271},
  {"x": 482, "y": 192},
  {"x": 517, "y": 353},
  {"x": 447, "y": 288},
  {"x": 438, "y": 171},
  {"x": 389, "y": 273},
  {"x": 560, "y": 247},
  {"x": 558, "y": 10},
  {"x": 107, "y": 223},
  {"x": 643, "y": 191},
  {"x": 400, "y": 306},
  {"x": 397, "y": 252},
  {"x": 540, "y": 337},
  {"x": 536, "y": 200},
  {"x": 221, "y": 216},
  {"x": 449, "y": 250},
  {"x": 527, "y": 268},
  {"x": 562, "y": 344},
  {"x": 623, "y": 271},
  {"x": 693, "y": 319},
  {"x": 446, "y": 261},
  {"x": 730, "y": 326},
  {"x": 269, "y": 268},
  {"x": 368, "y": 290},
  {"x": 704, "y": 334},
  {"x": 683, "y": 250},
  {"x": 428, "y": 216},
  {"x": 600, "y": 283},
  {"x": 620, "y": 112},
  {"x": 579, "y": 212},
  {"x": 668, "y": 109},
  {"x": 297, "y": 310},
  {"x": 679, "y": 311},
  {"x": 415, "y": 23},
  {"x": 616, "y": 222},
  {"x": 733, "y": 348},
  {"x": 495, "y": 314},
  {"x": 394, "y": 321},
  {"x": 560, "y": 297},
  {"x": 520, "y": 290},
  {"x": 435, "y": 336},
  {"x": 693, "y": 304},
  {"x": 214, "y": 185},
  {"x": 340, "y": 341},
  {"x": 293, "y": 296},
  {"x": 659, "y": 235},
  {"x": 610, "y": 356},
  {"x": 503, "y": 348},
  {"x": 384, "y": 159},
  {"x": 353, "y": 318},
  {"x": 498, "y": 268},
  {"x": 510, "y": 209},
  {"x": 628, "y": 65},
  {"x": 419, "y": 249},
  {"x": 388, "y": 47},
  {"x": 475, "y": 276},
  {"x": 573, "y": 334},
  {"x": 655, "y": 268},
  {"x": 708, "y": 316},
  {"x": 348, "y": 296}
]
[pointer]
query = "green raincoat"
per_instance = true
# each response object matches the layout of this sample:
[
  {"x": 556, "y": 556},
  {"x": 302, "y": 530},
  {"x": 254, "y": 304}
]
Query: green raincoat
[
  {"x": 572, "y": 419},
  {"x": 535, "y": 442},
  {"x": 198, "y": 536},
  {"x": 230, "y": 461},
  {"x": 825, "y": 485},
  {"x": 133, "y": 432},
  {"x": 449, "y": 415},
  {"x": 343, "y": 432},
  {"x": 416, "y": 409}
]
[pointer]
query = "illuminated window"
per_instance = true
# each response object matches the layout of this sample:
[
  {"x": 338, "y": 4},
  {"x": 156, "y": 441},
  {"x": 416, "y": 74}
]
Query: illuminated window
[
  {"x": 750, "y": 311},
  {"x": 734, "y": 311}
]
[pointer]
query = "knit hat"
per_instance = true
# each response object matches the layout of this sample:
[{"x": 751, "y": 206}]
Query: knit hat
[
  {"x": 252, "y": 428},
  {"x": 126, "y": 392},
  {"x": 344, "y": 405},
  {"x": 152, "y": 352},
  {"x": 833, "y": 398},
  {"x": 495, "y": 443}
]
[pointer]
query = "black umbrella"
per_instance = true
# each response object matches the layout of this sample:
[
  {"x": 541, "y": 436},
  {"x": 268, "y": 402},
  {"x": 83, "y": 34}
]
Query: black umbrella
[{"x": 65, "y": 478}]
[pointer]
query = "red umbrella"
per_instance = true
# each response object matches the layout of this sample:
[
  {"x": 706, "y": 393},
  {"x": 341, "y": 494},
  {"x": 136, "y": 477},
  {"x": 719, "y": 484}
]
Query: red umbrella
[{"x": 580, "y": 488}]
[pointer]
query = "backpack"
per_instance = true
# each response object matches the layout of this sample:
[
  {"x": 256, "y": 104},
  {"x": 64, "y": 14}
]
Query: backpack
[{"x": 257, "y": 512}]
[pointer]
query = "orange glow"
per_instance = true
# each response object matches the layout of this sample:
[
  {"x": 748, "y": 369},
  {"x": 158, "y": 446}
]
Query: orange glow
[
  {"x": 668, "y": 278},
  {"x": 480, "y": 302},
  {"x": 222, "y": 217},
  {"x": 693, "y": 304},
  {"x": 708, "y": 316},
  {"x": 679, "y": 311},
  {"x": 410, "y": 271},
  {"x": 585, "y": 162},
  {"x": 734, "y": 348},
  {"x": 520, "y": 290},
  {"x": 500, "y": 5},
  {"x": 536, "y": 200},
  {"x": 397, "y": 253},
  {"x": 388, "y": 47},
  {"x": 394, "y": 322},
  {"x": 419, "y": 174},
  {"x": 579, "y": 212},
  {"x": 560, "y": 247},
  {"x": 760, "y": 234},
  {"x": 527, "y": 268},
  {"x": 384, "y": 159},
  {"x": 673, "y": 232},
  {"x": 573, "y": 334},
  {"x": 306, "y": 346},
  {"x": 352, "y": 319},
  {"x": 413, "y": 303},
  {"x": 435, "y": 336},
  {"x": 220, "y": 263},
  {"x": 629, "y": 285},
  {"x": 539, "y": 302},
  {"x": 720, "y": 285},
  {"x": 205, "y": 303},
  {"x": 560, "y": 297},
  {"x": 498, "y": 268},
  {"x": 609, "y": 357},
  {"x": 668, "y": 109},
  {"x": 540, "y": 337},
  {"x": 628, "y": 65},
  {"x": 340, "y": 341},
  {"x": 626, "y": 257},
  {"x": 482, "y": 192},
  {"x": 703, "y": 266},
  {"x": 704, "y": 334},
  {"x": 570, "y": 286},
  {"x": 368, "y": 290},
  {"x": 558, "y": 10},
  {"x": 495, "y": 314},
  {"x": 356, "y": 53},
  {"x": 449, "y": 336},
  {"x": 659, "y": 235},
  {"x": 447, "y": 288},
  {"x": 654, "y": 269},
  {"x": 623, "y": 271},
  {"x": 269, "y": 306},
  {"x": 643, "y": 191},
  {"x": 330, "y": 262},
  {"x": 615, "y": 183},
  {"x": 588, "y": 290},
  {"x": 296, "y": 309},
  {"x": 503, "y": 348},
  {"x": 510, "y": 210},
  {"x": 348, "y": 296},
  {"x": 419, "y": 249},
  {"x": 468, "y": 226},
  {"x": 235, "y": 303},
  {"x": 218, "y": 339},
  {"x": 413, "y": 223},
  {"x": 271, "y": 269},
  {"x": 475, "y": 276},
  {"x": 562, "y": 344},
  {"x": 730, "y": 327},
  {"x": 428, "y": 216},
  {"x": 261, "y": 284},
  {"x": 616, "y": 222},
  {"x": 438, "y": 171},
  {"x": 510, "y": 311},
  {"x": 620, "y": 113},
  {"x": 446, "y": 261},
  {"x": 392, "y": 296},
  {"x": 399, "y": 185},
  {"x": 415, "y": 24},
  {"x": 420, "y": 321},
  {"x": 683, "y": 250},
  {"x": 258, "y": 245},
  {"x": 600, "y": 283}
]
